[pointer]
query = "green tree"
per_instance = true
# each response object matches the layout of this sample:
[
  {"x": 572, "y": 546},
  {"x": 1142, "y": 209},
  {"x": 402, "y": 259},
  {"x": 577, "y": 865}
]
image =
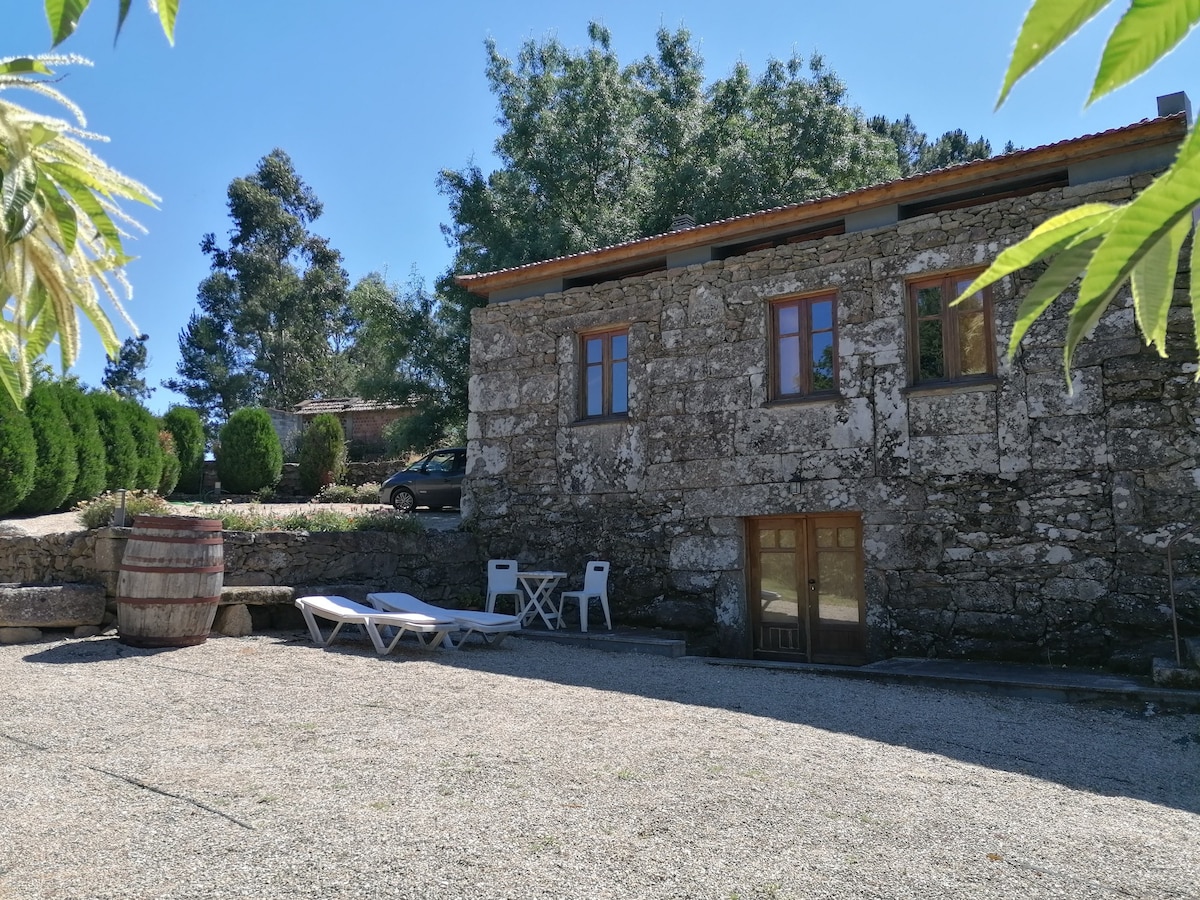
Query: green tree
[
  {"x": 123, "y": 373},
  {"x": 187, "y": 431},
  {"x": 57, "y": 463},
  {"x": 120, "y": 448},
  {"x": 249, "y": 455},
  {"x": 91, "y": 466},
  {"x": 1106, "y": 245},
  {"x": 18, "y": 455},
  {"x": 322, "y": 453},
  {"x": 916, "y": 153},
  {"x": 273, "y": 311}
]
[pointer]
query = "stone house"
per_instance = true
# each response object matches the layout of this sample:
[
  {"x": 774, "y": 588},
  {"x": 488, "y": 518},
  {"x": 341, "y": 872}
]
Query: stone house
[{"x": 787, "y": 443}]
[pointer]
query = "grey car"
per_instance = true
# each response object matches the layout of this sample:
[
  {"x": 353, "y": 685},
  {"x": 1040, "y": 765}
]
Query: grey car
[{"x": 434, "y": 480}]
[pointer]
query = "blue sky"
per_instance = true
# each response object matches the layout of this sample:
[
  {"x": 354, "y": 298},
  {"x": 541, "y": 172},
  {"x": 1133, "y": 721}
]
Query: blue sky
[{"x": 372, "y": 98}]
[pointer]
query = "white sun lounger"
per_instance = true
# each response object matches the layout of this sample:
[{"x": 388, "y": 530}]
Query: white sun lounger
[
  {"x": 491, "y": 627},
  {"x": 430, "y": 630}
]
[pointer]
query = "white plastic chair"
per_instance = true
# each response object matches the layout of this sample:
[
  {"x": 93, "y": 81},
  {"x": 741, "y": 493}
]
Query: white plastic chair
[
  {"x": 595, "y": 587},
  {"x": 502, "y": 582}
]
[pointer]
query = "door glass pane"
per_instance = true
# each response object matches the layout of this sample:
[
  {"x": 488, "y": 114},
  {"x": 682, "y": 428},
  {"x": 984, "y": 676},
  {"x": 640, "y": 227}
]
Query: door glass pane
[
  {"x": 822, "y": 359},
  {"x": 972, "y": 344},
  {"x": 766, "y": 538},
  {"x": 620, "y": 387},
  {"x": 787, "y": 537},
  {"x": 837, "y": 597},
  {"x": 848, "y": 537},
  {"x": 778, "y": 597},
  {"x": 825, "y": 537},
  {"x": 789, "y": 365},
  {"x": 975, "y": 301}
]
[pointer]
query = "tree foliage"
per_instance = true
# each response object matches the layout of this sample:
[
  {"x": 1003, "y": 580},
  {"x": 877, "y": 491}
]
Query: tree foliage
[
  {"x": 18, "y": 455},
  {"x": 57, "y": 465},
  {"x": 273, "y": 311},
  {"x": 89, "y": 447},
  {"x": 170, "y": 464},
  {"x": 249, "y": 456},
  {"x": 144, "y": 427},
  {"x": 123, "y": 374},
  {"x": 916, "y": 153},
  {"x": 61, "y": 250},
  {"x": 1107, "y": 245},
  {"x": 322, "y": 453},
  {"x": 187, "y": 432},
  {"x": 120, "y": 448}
]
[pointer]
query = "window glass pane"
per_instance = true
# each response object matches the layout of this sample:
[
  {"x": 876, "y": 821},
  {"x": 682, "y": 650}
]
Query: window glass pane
[
  {"x": 822, "y": 315},
  {"x": 929, "y": 301},
  {"x": 788, "y": 319},
  {"x": 822, "y": 361},
  {"x": 595, "y": 349},
  {"x": 825, "y": 537},
  {"x": 620, "y": 346},
  {"x": 930, "y": 363},
  {"x": 789, "y": 365},
  {"x": 975, "y": 301},
  {"x": 620, "y": 387},
  {"x": 594, "y": 399},
  {"x": 972, "y": 344}
]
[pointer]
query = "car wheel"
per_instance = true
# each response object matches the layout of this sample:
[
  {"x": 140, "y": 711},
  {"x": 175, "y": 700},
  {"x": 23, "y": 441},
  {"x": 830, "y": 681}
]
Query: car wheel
[{"x": 403, "y": 500}]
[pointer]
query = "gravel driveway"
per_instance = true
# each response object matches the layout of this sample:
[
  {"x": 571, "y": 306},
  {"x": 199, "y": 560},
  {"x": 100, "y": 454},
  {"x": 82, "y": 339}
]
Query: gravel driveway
[{"x": 265, "y": 767}]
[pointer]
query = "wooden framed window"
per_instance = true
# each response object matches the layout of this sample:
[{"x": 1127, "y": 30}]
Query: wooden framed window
[
  {"x": 804, "y": 347},
  {"x": 604, "y": 381},
  {"x": 950, "y": 344}
]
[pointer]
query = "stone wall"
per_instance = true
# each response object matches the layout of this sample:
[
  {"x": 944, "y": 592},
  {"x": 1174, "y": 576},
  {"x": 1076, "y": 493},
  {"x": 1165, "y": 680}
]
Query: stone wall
[
  {"x": 434, "y": 565},
  {"x": 1008, "y": 519}
]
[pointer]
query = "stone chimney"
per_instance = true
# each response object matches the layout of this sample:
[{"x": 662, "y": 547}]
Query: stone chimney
[
  {"x": 683, "y": 221},
  {"x": 1169, "y": 104}
]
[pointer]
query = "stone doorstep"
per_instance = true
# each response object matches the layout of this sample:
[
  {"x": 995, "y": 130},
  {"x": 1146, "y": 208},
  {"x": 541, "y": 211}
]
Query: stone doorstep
[{"x": 1168, "y": 674}]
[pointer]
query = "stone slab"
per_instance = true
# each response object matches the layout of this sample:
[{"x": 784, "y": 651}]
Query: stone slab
[
  {"x": 51, "y": 605},
  {"x": 257, "y": 595}
]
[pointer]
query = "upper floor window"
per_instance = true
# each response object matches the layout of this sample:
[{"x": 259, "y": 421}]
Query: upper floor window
[
  {"x": 950, "y": 343},
  {"x": 804, "y": 347},
  {"x": 605, "y": 376}
]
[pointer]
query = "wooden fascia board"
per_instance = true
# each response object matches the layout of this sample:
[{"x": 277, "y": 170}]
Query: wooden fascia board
[{"x": 1169, "y": 129}]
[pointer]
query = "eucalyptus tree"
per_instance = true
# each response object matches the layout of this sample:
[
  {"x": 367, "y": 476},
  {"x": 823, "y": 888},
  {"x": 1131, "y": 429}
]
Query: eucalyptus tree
[{"x": 273, "y": 310}]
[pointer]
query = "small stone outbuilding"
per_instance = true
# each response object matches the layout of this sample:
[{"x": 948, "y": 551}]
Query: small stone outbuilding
[{"x": 787, "y": 442}]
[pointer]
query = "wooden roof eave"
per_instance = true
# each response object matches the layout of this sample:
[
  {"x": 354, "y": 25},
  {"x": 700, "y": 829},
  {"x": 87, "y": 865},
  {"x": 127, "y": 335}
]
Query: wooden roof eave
[{"x": 973, "y": 175}]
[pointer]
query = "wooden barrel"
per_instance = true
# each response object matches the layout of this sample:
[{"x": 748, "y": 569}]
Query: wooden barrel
[{"x": 170, "y": 580}]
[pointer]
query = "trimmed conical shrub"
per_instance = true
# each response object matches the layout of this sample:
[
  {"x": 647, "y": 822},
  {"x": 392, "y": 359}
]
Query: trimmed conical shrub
[
  {"x": 120, "y": 449},
  {"x": 144, "y": 428},
  {"x": 89, "y": 447},
  {"x": 187, "y": 429},
  {"x": 57, "y": 465},
  {"x": 18, "y": 455},
  {"x": 249, "y": 455},
  {"x": 322, "y": 453},
  {"x": 170, "y": 469}
]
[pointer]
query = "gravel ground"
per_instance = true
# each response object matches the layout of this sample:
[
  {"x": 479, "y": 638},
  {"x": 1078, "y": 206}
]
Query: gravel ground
[{"x": 266, "y": 767}]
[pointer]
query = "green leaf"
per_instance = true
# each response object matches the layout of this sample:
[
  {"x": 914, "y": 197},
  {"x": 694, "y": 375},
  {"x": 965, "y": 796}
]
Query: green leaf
[
  {"x": 63, "y": 16},
  {"x": 1153, "y": 283},
  {"x": 1146, "y": 33},
  {"x": 167, "y": 11},
  {"x": 1047, "y": 24},
  {"x": 63, "y": 212},
  {"x": 1048, "y": 238},
  {"x": 1134, "y": 232},
  {"x": 122, "y": 12},
  {"x": 1067, "y": 266},
  {"x": 91, "y": 207},
  {"x": 25, "y": 65}
]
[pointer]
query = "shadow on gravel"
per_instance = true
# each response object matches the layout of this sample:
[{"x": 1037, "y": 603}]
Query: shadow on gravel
[
  {"x": 1055, "y": 742},
  {"x": 97, "y": 650}
]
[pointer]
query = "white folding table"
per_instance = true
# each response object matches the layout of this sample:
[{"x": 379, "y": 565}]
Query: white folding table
[{"x": 538, "y": 587}]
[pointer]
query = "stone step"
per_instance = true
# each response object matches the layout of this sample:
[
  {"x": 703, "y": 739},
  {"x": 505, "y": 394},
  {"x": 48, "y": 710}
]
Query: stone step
[
  {"x": 51, "y": 605},
  {"x": 1167, "y": 673}
]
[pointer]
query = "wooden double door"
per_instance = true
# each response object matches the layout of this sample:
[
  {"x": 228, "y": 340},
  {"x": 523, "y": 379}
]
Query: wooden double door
[{"x": 806, "y": 587}]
